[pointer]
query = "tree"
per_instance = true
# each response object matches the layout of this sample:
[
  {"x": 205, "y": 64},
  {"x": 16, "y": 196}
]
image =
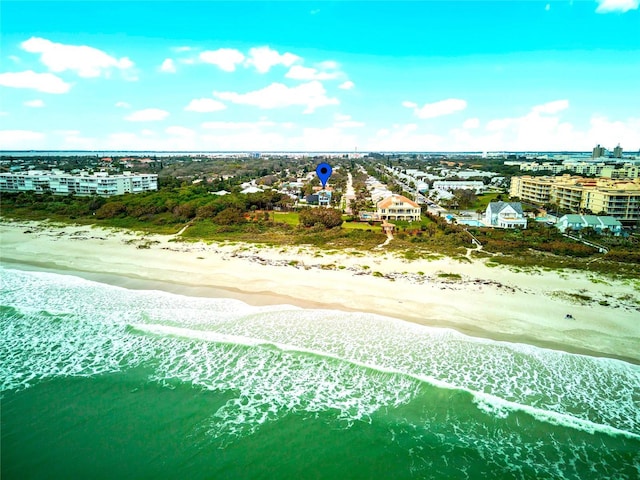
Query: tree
[
  {"x": 464, "y": 197},
  {"x": 329, "y": 217},
  {"x": 229, "y": 216},
  {"x": 110, "y": 210}
]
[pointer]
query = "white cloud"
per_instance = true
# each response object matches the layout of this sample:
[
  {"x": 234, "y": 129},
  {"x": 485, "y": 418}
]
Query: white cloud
[
  {"x": 19, "y": 139},
  {"x": 225, "y": 58},
  {"x": 168, "y": 66},
  {"x": 437, "y": 109},
  {"x": 298, "y": 72},
  {"x": 540, "y": 129},
  {"x": 85, "y": 61},
  {"x": 42, "y": 82},
  {"x": 147, "y": 132},
  {"x": 34, "y": 103},
  {"x": 345, "y": 121},
  {"x": 182, "y": 49},
  {"x": 73, "y": 141},
  {"x": 310, "y": 95},
  {"x": 205, "y": 105},
  {"x": 67, "y": 132},
  {"x": 328, "y": 65},
  {"x": 237, "y": 125},
  {"x": 547, "y": 7},
  {"x": 263, "y": 58},
  {"x": 147, "y": 115},
  {"x": 611, "y": 133},
  {"x": 123, "y": 105},
  {"x": 180, "y": 131},
  {"x": 616, "y": 6},
  {"x": 471, "y": 123},
  {"x": 14, "y": 58},
  {"x": 348, "y": 85},
  {"x": 405, "y": 137},
  {"x": 348, "y": 124},
  {"x": 551, "y": 107}
]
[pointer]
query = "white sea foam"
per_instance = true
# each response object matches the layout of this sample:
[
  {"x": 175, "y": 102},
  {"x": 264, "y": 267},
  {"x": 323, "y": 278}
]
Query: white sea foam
[
  {"x": 281, "y": 358},
  {"x": 488, "y": 403}
]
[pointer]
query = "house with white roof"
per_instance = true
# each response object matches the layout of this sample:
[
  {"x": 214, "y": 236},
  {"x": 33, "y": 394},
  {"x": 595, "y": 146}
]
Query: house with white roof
[
  {"x": 379, "y": 194},
  {"x": 505, "y": 215},
  {"x": 252, "y": 189}
]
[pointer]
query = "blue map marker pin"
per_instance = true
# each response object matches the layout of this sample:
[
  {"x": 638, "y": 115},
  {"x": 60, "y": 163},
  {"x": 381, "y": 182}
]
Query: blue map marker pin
[{"x": 323, "y": 170}]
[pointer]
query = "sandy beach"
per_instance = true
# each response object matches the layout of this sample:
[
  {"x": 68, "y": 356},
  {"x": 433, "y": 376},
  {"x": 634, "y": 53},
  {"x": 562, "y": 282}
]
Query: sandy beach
[{"x": 491, "y": 302}]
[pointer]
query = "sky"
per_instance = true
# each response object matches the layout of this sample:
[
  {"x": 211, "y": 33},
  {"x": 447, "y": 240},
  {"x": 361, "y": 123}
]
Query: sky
[{"x": 536, "y": 75}]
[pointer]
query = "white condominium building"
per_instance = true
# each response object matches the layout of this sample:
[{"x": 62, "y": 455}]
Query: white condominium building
[
  {"x": 62, "y": 183},
  {"x": 450, "y": 185}
]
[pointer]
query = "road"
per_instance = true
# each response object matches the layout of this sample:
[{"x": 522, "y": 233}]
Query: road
[{"x": 349, "y": 195}]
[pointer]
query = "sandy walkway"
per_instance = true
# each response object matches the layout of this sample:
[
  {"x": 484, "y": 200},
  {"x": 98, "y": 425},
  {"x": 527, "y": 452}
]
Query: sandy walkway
[{"x": 497, "y": 303}]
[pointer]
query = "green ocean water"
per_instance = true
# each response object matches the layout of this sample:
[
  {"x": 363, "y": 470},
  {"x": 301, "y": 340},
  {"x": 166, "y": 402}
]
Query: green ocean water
[{"x": 103, "y": 382}]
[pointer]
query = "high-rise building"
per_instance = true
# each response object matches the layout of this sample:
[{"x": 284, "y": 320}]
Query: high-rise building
[
  {"x": 598, "y": 151},
  {"x": 617, "y": 152}
]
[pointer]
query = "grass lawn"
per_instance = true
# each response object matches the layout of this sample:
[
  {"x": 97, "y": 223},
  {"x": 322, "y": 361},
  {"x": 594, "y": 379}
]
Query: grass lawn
[
  {"x": 291, "y": 218},
  {"x": 361, "y": 226},
  {"x": 484, "y": 200},
  {"x": 401, "y": 223}
]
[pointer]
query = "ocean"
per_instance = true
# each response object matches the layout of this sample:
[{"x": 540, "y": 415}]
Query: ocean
[{"x": 99, "y": 381}]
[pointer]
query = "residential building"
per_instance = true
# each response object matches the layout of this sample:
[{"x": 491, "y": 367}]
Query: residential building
[
  {"x": 598, "y": 223},
  {"x": 85, "y": 183},
  {"x": 450, "y": 185},
  {"x": 532, "y": 189},
  {"x": 568, "y": 196},
  {"x": 398, "y": 207},
  {"x": 601, "y": 169},
  {"x": 505, "y": 215},
  {"x": 619, "y": 198},
  {"x": 628, "y": 170},
  {"x": 251, "y": 189}
]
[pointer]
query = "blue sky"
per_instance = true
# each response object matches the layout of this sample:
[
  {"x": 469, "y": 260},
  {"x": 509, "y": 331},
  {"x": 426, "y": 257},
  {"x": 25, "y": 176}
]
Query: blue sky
[{"x": 320, "y": 76}]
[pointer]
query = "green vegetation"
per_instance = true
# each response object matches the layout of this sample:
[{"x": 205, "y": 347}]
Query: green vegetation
[
  {"x": 327, "y": 217},
  {"x": 485, "y": 199},
  {"x": 450, "y": 276},
  {"x": 267, "y": 218}
]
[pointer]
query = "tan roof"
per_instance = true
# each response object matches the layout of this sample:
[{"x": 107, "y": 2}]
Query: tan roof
[{"x": 395, "y": 197}]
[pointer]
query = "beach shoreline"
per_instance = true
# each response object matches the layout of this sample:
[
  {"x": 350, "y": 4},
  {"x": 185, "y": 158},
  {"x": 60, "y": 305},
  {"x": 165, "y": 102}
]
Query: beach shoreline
[{"x": 495, "y": 303}]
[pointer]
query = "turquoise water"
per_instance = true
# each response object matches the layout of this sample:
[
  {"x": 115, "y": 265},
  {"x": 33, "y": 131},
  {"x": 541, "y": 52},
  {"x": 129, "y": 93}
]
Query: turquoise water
[
  {"x": 471, "y": 223},
  {"x": 99, "y": 381}
]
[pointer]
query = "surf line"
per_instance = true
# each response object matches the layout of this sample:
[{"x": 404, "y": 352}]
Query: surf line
[{"x": 480, "y": 399}]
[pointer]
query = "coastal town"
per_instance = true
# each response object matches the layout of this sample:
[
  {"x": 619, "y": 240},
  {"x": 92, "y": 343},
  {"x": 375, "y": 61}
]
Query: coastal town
[
  {"x": 319, "y": 240},
  {"x": 571, "y": 192}
]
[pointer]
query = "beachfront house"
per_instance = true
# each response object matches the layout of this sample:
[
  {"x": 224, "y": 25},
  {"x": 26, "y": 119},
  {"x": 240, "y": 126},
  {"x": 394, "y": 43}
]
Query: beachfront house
[
  {"x": 505, "y": 215},
  {"x": 599, "y": 223},
  {"x": 398, "y": 207}
]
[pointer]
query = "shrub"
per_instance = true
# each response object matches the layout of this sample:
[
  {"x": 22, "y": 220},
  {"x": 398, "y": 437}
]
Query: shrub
[
  {"x": 327, "y": 217},
  {"x": 229, "y": 216},
  {"x": 111, "y": 209}
]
